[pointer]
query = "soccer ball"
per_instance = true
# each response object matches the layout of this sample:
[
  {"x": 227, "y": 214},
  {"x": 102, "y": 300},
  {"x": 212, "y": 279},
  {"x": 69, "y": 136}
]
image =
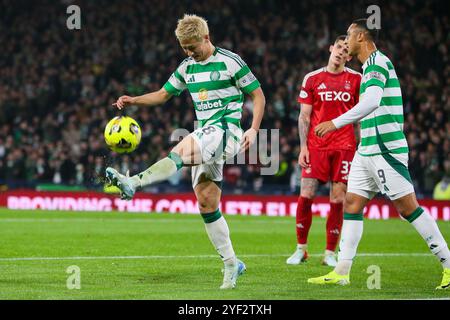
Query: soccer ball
[{"x": 122, "y": 134}]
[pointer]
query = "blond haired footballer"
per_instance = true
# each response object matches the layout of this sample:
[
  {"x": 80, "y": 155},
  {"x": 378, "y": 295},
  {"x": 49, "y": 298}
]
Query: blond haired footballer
[
  {"x": 381, "y": 161},
  {"x": 217, "y": 80}
]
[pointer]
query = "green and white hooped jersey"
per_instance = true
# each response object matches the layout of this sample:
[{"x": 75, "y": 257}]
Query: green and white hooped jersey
[
  {"x": 217, "y": 86},
  {"x": 382, "y": 130}
]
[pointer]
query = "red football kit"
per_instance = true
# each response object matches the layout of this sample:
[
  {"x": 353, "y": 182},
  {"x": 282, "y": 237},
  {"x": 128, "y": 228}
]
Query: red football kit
[{"x": 330, "y": 96}]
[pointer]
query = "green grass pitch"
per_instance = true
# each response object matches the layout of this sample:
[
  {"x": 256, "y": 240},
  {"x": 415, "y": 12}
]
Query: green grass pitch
[{"x": 166, "y": 256}]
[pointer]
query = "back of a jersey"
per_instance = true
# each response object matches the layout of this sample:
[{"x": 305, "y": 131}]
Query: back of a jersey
[{"x": 382, "y": 130}]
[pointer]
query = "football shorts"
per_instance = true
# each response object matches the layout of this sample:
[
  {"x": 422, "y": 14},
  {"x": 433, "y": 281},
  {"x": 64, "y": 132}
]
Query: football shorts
[
  {"x": 216, "y": 145},
  {"x": 386, "y": 173},
  {"x": 329, "y": 165}
]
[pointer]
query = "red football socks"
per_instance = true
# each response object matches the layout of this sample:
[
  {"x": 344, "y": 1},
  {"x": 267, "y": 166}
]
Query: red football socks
[
  {"x": 334, "y": 225},
  {"x": 303, "y": 219}
]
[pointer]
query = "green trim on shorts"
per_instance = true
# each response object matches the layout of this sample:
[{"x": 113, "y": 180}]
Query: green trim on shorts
[
  {"x": 218, "y": 184},
  {"x": 394, "y": 163},
  {"x": 212, "y": 216},
  {"x": 353, "y": 216},
  {"x": 416, "y": 213},
  {"x": 224, "y": 136},
  {"x": 397, "y": 166},
  {"x": 177, "y": 159}
]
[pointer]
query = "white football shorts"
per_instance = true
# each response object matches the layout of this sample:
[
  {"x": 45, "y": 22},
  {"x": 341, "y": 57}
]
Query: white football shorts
[
  {"x": 385, "y": 173},
  {"x": 216, "y": 145}
]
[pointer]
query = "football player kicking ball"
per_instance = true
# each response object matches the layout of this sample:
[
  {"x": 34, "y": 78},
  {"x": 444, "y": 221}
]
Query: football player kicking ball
[
  {"x": 217, "y": 80},
  {"x": 381, "y": 161},
  {"x": 325, "y": 94}
]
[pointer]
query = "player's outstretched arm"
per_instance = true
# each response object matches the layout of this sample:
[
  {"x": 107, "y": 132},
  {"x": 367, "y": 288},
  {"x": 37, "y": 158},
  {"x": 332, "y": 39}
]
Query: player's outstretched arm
[
  {"x": 259, "y": 103},
  {"x": 370, "y": 101},
  {"x": 149, "y": 99}
]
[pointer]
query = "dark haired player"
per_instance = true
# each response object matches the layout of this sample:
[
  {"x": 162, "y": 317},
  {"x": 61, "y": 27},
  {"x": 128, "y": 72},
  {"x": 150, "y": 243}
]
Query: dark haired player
[{"x": 325, "y": 94}]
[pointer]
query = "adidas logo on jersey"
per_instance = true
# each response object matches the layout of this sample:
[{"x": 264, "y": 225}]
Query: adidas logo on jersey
[{"x": 322, "y": 86}]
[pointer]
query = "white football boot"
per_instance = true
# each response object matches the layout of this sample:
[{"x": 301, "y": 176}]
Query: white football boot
[
  {"x": 122, "y": 182},
  {"x": 231, "y": 273},
  {"x": 297, "y": 257}
]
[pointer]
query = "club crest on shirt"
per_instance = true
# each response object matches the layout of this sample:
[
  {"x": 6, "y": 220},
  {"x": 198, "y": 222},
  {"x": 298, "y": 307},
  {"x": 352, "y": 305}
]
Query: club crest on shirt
[
  {"x": 347, "y": 85},
  {"x": 214, "y": 75}
]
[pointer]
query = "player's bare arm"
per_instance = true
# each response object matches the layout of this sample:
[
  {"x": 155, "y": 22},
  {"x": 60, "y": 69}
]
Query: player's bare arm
[
  {"x": 259, "y": 103},
  {"x": 304, "y": 121},
  {"x": 150, "y": 99}
]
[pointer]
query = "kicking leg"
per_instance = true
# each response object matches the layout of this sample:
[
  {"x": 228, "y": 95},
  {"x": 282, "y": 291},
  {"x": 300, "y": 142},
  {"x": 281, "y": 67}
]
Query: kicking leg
[{"x": 185, "y": 153}]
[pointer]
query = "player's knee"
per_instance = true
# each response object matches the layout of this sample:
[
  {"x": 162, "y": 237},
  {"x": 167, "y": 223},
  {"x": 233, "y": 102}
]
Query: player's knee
[
  {"x": 203, "y": 201},
  {"x": 204, "y": 206},
  {"x": 337, "y": 197},
  {"x": 351, "y": 204},
  {"x": 406, "y": 205},
  {"x": 207, "y": 205},
  {"x": 308, "y": 193},
  {"x": 308, "y": 188},
  {"x": 337, "y": 193},
  {"x": 207, "y": 201}
]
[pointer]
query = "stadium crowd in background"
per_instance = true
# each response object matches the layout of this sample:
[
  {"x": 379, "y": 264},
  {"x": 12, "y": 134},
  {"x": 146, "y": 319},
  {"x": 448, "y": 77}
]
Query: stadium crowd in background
[{"x": 57, "y": 85}]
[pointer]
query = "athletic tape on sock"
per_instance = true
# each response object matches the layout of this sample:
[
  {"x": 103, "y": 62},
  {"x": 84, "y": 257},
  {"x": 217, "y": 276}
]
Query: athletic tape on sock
[
  {"x": 212, "y": 216},
  {"x": 177, "y": 159},
  {"x": 416, "y": 213},
  {"x": 353, "y": 216}
]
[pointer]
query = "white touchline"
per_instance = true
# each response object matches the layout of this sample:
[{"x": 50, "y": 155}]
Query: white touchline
[
  {"x": 108, "y": 219},
  {"x": 205, "y": 256}
]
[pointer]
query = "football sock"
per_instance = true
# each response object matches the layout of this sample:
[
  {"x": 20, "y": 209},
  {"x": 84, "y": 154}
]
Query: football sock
[
  {"x": 428, "y": 229},
  {"x": 219, "y": 234},
  {"x": 334, "y": 225},
  {"x": 303, "y": 219},
  {"x": 159, "y": 171},
  {"x": 352, "y": 230}
]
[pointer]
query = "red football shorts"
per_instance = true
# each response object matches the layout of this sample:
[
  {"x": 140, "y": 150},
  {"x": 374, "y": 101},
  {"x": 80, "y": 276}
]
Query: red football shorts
[{"x": 330, "y": 165}]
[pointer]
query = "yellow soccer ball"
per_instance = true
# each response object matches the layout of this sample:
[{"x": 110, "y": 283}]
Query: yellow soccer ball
[{"x": 122, "y": 134}]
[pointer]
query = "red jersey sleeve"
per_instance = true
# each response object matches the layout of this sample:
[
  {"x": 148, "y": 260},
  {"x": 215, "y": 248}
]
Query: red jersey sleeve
[
  {"x": 357, "y": 87},
  {"x": 306, "y": 92}
]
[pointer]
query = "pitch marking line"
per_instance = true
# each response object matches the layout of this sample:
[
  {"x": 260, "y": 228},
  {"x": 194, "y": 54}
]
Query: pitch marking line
[
  {"x": 204, "y": 256},
  {"x": 111, "y": 219}
]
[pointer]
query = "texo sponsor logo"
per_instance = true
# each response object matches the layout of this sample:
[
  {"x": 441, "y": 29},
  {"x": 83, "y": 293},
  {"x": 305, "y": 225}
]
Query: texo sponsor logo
[{"x": 334, "y": 96}]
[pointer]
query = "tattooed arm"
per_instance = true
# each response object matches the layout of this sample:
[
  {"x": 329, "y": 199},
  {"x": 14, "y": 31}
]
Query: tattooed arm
[{"x": 304, "y": 120}]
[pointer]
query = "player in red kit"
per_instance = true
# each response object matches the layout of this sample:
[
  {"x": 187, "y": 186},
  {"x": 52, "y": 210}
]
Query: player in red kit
[{"x": 325, "y": 94}]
